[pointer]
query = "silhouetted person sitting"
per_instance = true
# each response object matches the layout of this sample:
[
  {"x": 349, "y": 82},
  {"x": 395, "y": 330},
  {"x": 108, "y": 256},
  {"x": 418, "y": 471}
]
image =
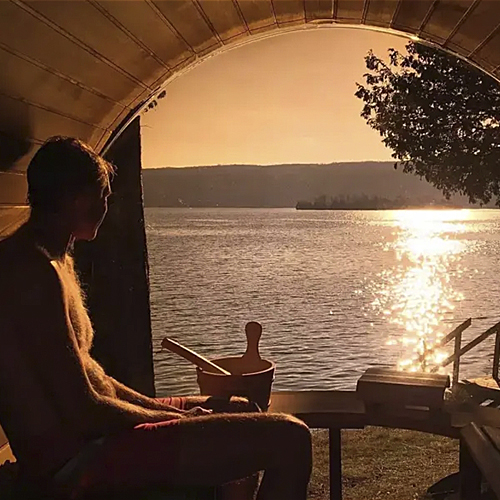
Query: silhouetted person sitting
[{"x": 60, "y": 410}]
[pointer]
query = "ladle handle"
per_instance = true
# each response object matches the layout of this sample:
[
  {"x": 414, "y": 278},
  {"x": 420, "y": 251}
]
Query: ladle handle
[
  {"x": 253, "y": 332},
  {"x": 192, "y": 357}
]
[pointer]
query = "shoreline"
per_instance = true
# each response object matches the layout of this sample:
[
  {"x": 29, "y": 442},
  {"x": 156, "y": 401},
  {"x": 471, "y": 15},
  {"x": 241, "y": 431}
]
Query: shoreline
[
  {"x": 317, "y": 209},
  {"x": 395, "y": 208}
]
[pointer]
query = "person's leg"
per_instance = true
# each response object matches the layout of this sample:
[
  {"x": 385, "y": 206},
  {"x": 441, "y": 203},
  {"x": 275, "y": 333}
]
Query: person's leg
[
  {"x": 210, "y": 450},
  {"x": 241, "y": 489}
]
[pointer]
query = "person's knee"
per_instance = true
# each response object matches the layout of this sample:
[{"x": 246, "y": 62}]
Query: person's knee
[
  {"x": 299, "y": 429},
  {"x": 292, "y": 430},
  {"x": 289, "y": 440}
]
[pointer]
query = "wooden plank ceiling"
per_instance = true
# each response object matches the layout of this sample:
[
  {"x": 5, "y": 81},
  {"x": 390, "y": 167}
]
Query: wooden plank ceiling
[{"x": 81, "y": 67}]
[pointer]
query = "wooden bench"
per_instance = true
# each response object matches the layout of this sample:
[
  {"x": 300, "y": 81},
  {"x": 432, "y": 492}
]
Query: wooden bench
[
  {"x": 479, "y": 460},
  {"x": 337, "y": 410}
]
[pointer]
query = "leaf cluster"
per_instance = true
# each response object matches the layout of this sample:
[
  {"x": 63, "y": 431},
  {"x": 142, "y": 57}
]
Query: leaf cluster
[{"x": 439, "y": 115}]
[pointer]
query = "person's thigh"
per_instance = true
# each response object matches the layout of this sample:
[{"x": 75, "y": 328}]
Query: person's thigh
[{"x": 208, "y": 450}]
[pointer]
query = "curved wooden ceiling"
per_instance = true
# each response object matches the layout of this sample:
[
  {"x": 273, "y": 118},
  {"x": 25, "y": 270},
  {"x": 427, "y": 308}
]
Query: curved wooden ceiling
[{"x": 82, "y": 67}]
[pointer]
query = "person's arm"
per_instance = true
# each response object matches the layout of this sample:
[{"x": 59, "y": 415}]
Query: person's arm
[
  {"x": 53, "y": 352},
  {"x": 129, "y": 395}
]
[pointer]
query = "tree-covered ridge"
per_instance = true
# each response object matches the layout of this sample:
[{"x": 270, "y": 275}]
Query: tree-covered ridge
[
  {"x": 439, "y": 116},
  {"x": 280, "y": 185}
]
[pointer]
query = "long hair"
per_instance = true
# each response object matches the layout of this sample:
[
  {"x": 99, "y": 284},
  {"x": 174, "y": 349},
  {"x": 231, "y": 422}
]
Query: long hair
[{"x": 62, "y": 167}]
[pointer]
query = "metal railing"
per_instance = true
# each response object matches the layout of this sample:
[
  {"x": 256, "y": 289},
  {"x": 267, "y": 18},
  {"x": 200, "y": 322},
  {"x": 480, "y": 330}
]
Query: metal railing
[{"x": 459, "y": 351}]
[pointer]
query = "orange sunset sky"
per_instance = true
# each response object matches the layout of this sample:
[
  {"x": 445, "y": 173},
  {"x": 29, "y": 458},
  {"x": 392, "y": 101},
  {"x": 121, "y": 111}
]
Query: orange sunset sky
[{"x": 284, "y": 99}]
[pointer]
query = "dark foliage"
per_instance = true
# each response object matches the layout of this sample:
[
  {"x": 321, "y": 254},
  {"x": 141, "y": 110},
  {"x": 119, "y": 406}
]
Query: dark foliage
[{"x": 440, "y": 116}]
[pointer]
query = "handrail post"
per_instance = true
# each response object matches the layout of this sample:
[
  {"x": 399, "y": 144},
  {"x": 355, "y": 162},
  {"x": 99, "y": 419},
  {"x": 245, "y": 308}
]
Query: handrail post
[
  {"x": 473, "y": 343},
  {"x": 459, "y": 329},
  {"x": 456, "y": 358},
  {"x": 496, "y": 358}
]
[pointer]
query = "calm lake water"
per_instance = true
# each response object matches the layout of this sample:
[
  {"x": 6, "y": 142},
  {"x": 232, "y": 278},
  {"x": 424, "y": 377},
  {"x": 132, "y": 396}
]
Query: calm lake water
[{"x": 335, "y": 291}]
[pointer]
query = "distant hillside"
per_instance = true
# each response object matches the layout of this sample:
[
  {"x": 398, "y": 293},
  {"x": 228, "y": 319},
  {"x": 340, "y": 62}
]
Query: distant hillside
[{"x": 279, "y": 185}]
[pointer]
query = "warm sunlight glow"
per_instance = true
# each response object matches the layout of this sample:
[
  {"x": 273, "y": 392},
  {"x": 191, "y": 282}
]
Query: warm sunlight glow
[
  {"x": 416, "y": 293},
  {"x": 283, "y": 99}
]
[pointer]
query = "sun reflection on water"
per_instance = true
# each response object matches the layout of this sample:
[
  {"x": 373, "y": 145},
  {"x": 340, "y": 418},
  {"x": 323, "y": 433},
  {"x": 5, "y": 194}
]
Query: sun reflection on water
[{"x": 416, "y": 294}]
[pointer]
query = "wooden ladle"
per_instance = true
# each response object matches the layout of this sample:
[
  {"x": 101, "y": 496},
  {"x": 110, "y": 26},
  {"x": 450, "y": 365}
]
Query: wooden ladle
[
  {"x": 251, "y": 361},
  {"x": 193, "y": 357}
]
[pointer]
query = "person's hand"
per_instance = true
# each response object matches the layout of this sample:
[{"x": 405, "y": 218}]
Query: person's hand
[{"x": 197, "y": 411}]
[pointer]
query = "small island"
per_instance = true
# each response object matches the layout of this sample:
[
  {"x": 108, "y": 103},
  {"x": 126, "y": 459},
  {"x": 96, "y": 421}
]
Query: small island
[{"x": 363, "y": 202}]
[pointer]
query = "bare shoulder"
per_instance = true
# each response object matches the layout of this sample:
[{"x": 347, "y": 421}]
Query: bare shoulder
[{"x": 27, "y": 277}]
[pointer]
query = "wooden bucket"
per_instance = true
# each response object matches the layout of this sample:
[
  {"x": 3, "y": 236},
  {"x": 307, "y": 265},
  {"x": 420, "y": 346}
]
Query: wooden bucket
[{"x": 256, "y": 386}]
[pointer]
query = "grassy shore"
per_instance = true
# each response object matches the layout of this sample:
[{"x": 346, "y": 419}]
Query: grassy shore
[{"x": 384, "y": 464}]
